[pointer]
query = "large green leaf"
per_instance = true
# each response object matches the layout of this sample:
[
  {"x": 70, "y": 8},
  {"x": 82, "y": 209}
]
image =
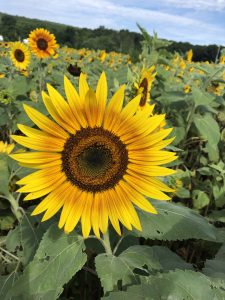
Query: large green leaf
[
  {"x": 200, "y": 97},
  {"x": 215, "y": 268},
  {"x": 57, "y": 259},
  {"x": 26, "y": 237},
  {"x": 209, "y": 129},
  {"x": 6, "y": 283},
  {"x": 177, "y": 285},
  {"x": 174, "y": 222},
  {"x": 217, "y": 215},
  {"x": 144, "y": 258}
]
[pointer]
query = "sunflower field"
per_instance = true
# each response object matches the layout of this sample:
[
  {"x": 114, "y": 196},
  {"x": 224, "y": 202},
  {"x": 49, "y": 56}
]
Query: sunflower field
[{"x": 112, "y": 173}]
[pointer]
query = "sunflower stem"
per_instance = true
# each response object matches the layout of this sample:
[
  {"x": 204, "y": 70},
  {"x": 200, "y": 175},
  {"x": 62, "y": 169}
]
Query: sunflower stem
[
  {"x": 106, "y": 242},
  {"x": 40, "y": 71},
  {"x": 15, "y": 207}
]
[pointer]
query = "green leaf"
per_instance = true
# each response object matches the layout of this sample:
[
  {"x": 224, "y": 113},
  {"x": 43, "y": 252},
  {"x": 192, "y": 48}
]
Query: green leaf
[
  {"x": 169, "y": 260},
  {"x": 200, "y": 97},
  {"x": 179, "y": 133},
  {"x": 135, "y": 257},
  {"x": 6, "y": 220},
  {"x": 219, "y": 194},
  {"x": 209, "y": 129},
  {"x": 26, "y": 236},
  {"x": 57, "y": 259},
  {"x": 6, "y": 283},
  {"x": 117, "y": 269},
  {"x": 216, "y": 267},
  {"x": 174, "y": 222},
  {"x": 218, "y": 215},
  {"x": 200, "y": 199},
  {"x": 181, "y": 192},
  {"x": 177, "y": 285}
]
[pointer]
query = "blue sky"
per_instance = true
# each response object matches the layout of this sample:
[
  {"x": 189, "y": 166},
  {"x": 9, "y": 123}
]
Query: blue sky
[{"x": 195, "y": 21}]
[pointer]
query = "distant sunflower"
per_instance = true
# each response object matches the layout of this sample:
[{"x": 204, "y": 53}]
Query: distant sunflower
[
  {"x": 145, "y": 84},
  {"x": 6, "y": 148},
  {"x": 20, "y": 55},
  {"x": 95, "y": 160},
  {"x": 189, "y": 55},
  {"x": 42, "y": 43}
]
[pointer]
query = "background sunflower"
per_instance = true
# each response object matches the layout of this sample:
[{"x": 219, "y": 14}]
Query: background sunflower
[
  {"x": 42, "y": 43},
  {"x": 20, "y": 55}
]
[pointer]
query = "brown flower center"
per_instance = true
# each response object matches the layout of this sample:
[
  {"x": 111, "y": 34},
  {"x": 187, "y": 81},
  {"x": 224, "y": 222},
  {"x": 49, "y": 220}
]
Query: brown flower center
[
  {"x": 94, "y": 159},
  {"x": 19, "y": 55},
  {"x": 42, "y": 44}
]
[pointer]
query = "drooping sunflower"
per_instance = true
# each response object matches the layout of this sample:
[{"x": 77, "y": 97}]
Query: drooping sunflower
[
  {"x": 145, "y": 84},
  {"x": 20, "y": 55},
  {"x": 42, "y": 43},
  {"x": 95, "y": 160}
]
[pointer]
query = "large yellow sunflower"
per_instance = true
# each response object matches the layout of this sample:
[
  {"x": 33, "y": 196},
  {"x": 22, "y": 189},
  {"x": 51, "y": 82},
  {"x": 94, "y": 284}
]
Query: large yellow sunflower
[
  {"x": 20, "y": 55},
  {"x": 42, "y": 43},
  {"x": 95, "y": 160}
]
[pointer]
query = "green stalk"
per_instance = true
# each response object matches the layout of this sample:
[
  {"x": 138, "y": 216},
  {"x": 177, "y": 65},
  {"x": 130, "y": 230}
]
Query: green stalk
[
  {"x": 15, "y": 207},
  {"x": 106, "y": 242}
]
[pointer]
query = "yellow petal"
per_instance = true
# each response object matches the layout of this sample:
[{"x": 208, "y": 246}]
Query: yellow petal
[
  {"x": 103, "y": 213},
  {"x": 45, "y": 173},
  {"x": 45, "y": 191},
  {"x": 101, "y": 95},
  {"x": 137, "y": 198},
  {"x": 41, "y": 183},
  {"x": 91, "y": 108},
  {"x": 86, "y": 215},
  {"x": 151, "y": 170},
  {"x": 73, "y": 195},
  {"x": 95, "y": 215},
  {"x": 63, "y": 109},
  {"x": 114, "y": 108},
  {"x": 144, "y": 188},
  {"x": 42, "y": 143},
  {"x": 32, "y": 132},
  {"x": 120, "y": 208},
  {"x": 36, "y": 157},
  {"x": 53, "y": 111},
  {"x": 133, "y": 217},
  {"x": 83, "y": 87},
  {"x": 150, "y": 141},
  {"x": 74, "y": 102},
  {"x": 45, "y": 123},
  {"x": 75, "y": 213},
  {"x": 113, "y": 216},
  {"x": 52, "y": 201}
]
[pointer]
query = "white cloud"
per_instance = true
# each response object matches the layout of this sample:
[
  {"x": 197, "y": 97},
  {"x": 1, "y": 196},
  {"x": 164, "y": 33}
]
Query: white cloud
[{"x": 211, "y": 5}]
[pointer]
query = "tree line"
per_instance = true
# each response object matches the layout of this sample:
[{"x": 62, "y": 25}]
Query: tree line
[{"x": 14, "y": 28}]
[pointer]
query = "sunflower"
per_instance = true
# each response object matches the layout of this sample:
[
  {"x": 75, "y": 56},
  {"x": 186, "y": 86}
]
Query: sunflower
[
  {"x": 145, "y": 84},
  {"x": 20, "y": 55},
  {"x": 6, "y": 148},
  {"x": 95, "y": 160},
  {"x": 189, "y": 55},
  {"x": 42, "y": 43}
]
